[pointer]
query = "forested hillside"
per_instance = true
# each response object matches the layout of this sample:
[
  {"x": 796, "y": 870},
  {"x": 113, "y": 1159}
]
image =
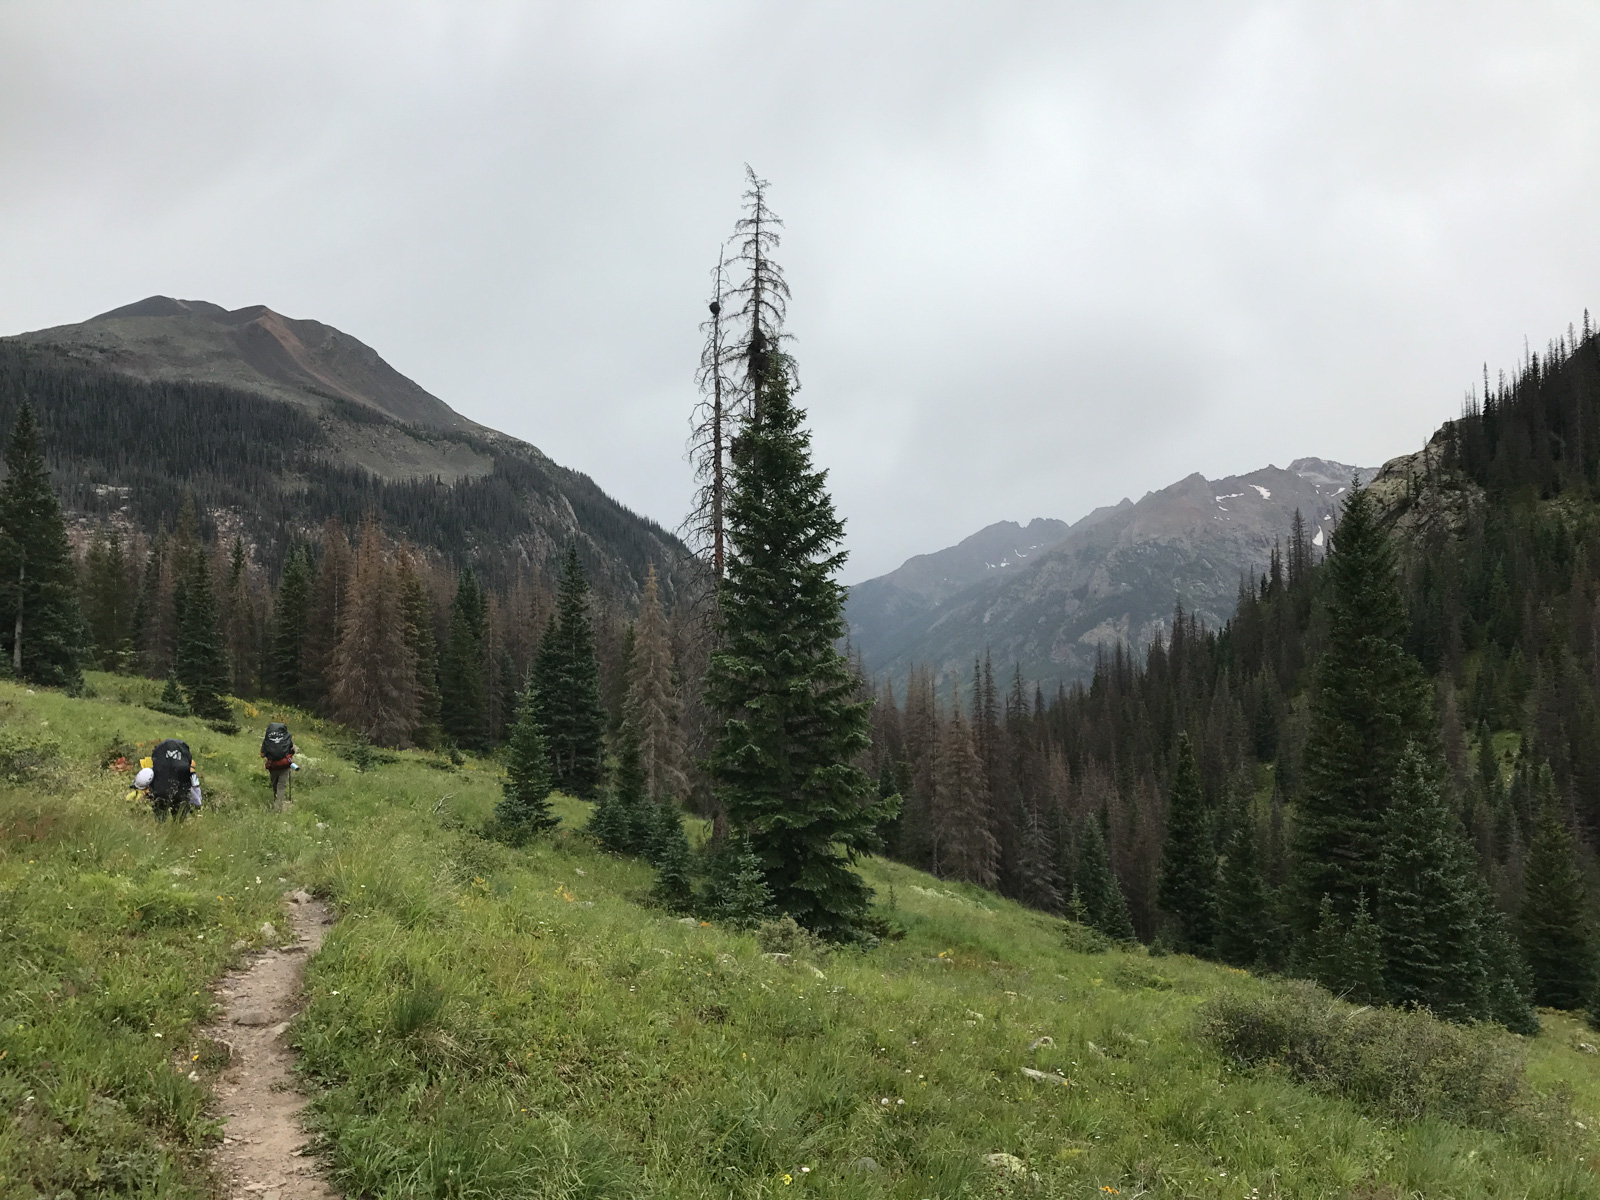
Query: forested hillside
[
  {"x": 126, "y": 450},
  {"x": 1490, "y": 541}
]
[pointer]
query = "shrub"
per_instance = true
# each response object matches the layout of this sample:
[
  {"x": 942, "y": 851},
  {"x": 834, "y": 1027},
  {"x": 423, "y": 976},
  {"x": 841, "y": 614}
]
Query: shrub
[
  {"x": 1083, "y": 939},
  {"x": 1133, "y": 976},
  {"x": 1406, "y": 1064},
  {"x": 788, "y": 936},
  {"x": 24, "y": 756}
]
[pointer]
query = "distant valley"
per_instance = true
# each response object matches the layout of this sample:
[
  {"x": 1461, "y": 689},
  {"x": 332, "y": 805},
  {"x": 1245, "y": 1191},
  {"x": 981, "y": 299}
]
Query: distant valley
[{"x": 1049, "y": 595}]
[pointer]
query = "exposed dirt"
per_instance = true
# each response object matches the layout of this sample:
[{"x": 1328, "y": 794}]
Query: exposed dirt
[{"x": 261, "y": 1153}]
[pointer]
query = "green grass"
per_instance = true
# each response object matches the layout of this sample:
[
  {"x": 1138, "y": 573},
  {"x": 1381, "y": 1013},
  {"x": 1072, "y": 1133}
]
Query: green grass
[{"x": 493, "y": 1022}]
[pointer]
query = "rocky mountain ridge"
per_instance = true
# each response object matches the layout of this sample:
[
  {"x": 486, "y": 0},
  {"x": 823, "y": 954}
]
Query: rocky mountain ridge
[{"x": 1114, "y": 576}]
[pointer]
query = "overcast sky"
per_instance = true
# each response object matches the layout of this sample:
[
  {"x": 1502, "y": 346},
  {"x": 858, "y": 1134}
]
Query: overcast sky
[{"x": 1043, "y": 255}]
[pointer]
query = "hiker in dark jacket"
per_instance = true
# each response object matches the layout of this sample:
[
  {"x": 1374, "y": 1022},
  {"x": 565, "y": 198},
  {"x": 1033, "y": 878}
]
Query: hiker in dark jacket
[
  {"x": 175, "y": 786},
  {"x": 277, "y": 751}
]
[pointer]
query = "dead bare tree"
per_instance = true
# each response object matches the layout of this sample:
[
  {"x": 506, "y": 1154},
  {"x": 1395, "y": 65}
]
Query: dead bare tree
[
  {"x": 710, "y": 429},
  {"x": 762, "y": 296}
]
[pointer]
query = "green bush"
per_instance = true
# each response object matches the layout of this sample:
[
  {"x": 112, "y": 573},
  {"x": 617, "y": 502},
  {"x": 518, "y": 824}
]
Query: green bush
[
  {"x": 788, "y": 936},
  {"x": 1083, "y": 939},
  {"x": 1404, "y": 1064},
  {"x": 24, "y": 757}
]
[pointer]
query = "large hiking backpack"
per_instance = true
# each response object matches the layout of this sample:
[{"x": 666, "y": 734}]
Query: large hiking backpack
[
  {"x": 171, "y": 762},
  {"x": 277, "y": 745}
]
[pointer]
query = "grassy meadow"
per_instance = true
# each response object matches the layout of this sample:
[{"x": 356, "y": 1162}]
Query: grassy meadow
[{"x": 486, "y": 1021}]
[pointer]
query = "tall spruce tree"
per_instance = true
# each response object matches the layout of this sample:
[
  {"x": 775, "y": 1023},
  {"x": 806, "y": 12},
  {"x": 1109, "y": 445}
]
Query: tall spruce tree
[
  {"x": 463, "y": 673},
  {"x": 1097, "y": 889},
  {"x": 1246, "y": 933},
  {"x": 240, "y": 633},
  {"x": 1187, "y": 888},
  {"x": 1427, "y": 903},
  {"x": 109, "y": 600},
  {"x": 1553, "y": 925},
  {"x": 567, "y": 681},
  {"x": 1370, "y": 701},
  {"x": 41, "y": 627},
  {"x": 417, "y": 607},
  {"x": 964, "y": 843},
  {"x": 202, "y": 661},
  {"x": 1037, "y": 882},
  {"x": 524, "y": 808},
  {"x": 791, "y": 726},
  {"x": 290, "y": 614}
]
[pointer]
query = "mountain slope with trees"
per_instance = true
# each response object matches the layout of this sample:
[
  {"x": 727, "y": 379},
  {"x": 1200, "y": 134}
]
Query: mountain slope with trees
[{"x": 275, "y": 426}]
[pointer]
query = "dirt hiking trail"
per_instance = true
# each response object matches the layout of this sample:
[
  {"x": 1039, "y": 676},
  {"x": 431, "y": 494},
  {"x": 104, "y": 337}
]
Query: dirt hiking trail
[{"x": 260, "y": 1157}]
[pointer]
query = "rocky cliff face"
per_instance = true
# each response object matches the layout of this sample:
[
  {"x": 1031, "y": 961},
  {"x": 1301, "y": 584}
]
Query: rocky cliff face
[{"x": 1115, "y": 576}]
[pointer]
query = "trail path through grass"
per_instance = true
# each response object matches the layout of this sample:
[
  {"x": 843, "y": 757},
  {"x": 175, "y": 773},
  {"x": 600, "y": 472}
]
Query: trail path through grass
[{"x": 260, "y": 1157}]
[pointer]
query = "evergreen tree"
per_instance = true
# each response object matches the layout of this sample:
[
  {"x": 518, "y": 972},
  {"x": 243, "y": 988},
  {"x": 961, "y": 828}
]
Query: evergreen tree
[
  {"x": 171, "y": 699},
  {"x": 108, "y": 601},
  {"x": 610, "y": 824},
  {"x": 417, "y": 609},
  {"x": 651, "y": 705},
  {"x": 1553, "y": 926},
  {"x": 736, "y": 892},
  {"x": 1245, "y": 923},
  {"x": 1371, "y": 699},
  {"x": 623, "y": 821},
  {"x": 463, "y": 682},
  {"x": 289, "y": 617},
  {"x": 1038, "y": 886},
  {"x": 1096, "y": 887},
  {"x": 964, "y": 843},
  {"x": 153, "y": 634},
  {"x": 524, "y": 809},
  {"x": 567, "y": 679},
  {"x": 1320, "y": 955},
  {"x": 1428, "y": 901},
  {"x": 238, "y": 622},
  {"x": 674, "y": 886},
  {"x": 41, "y": 628},
  {"x": 374, "y": 671},
  {"x": 791, "y": 727},
  {"x": 202, "y": 662},
  {"x": 329, "y": 595},
  {"x": 1509, "y": 989},
  {"x": 1187, "y": 888},
  {"x": 1361, "y": 959}
]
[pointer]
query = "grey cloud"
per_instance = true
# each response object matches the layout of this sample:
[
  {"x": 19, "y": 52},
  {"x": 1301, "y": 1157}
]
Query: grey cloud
[{"x": 1043, "y": 255}]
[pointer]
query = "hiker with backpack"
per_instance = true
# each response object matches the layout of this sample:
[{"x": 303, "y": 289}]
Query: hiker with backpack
[
  {"x": 277, "y": 752},
  {"x": 174, "y": 783}
]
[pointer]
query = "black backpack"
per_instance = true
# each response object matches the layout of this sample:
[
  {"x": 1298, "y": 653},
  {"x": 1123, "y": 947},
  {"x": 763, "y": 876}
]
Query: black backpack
[
  {"x": 171, "y": 761},
  {"x": 277, "y": 744}
]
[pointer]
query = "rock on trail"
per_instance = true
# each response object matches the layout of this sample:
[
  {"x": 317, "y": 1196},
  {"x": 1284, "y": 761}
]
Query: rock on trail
[{"x": 261, "y": 1154}]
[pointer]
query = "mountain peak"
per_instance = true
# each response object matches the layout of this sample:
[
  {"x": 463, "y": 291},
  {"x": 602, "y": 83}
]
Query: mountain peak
[{"x": 252, "y": 348}]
